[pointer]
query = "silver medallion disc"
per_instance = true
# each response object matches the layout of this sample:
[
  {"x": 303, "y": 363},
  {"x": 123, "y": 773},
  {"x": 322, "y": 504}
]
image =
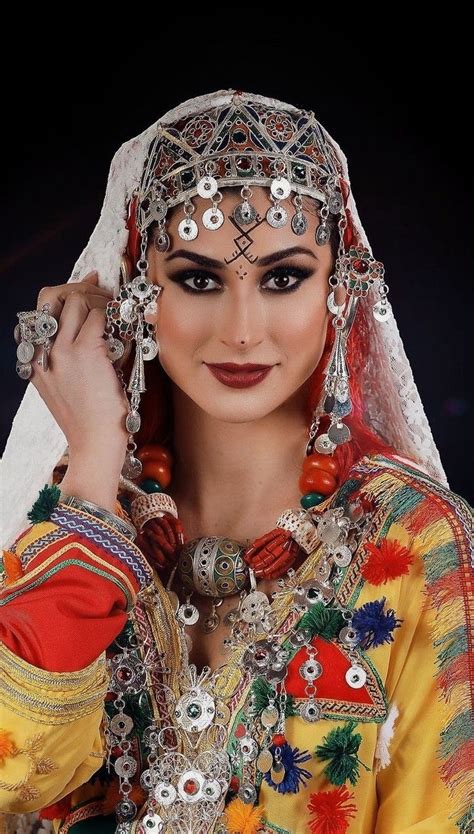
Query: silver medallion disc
[
  {"x": 211, "y": 790},
  {"x": 133, "y": 421},
  {"x": 121, "y": 724},
  {"x": 280, "y": 188},
  {"x": 195, "y": 710},
  {"x": 46, "y": 325},
  {"x": 140, "y": 287},
  {"x": 324, "y": 444},
  {"x": 339, "y": 433},
  {"x": 150, "y": 348},
  {"x": 248, "y": 748},
  {"x": 333, "y": 308},
  {"x": 24, "y": 370},
  {"x": 212, "y": 218},
  {"x": 188, "y": 229},
  {"x": 244, "y": 213},
  {"x": 115, "y": 349},
  {"x": 299, "y": 224},
  {"x": 264, "y": 761},
  {"x": 310, "y": 670},
  {"x": 349, "y": 636},
  {"x": 277, "y": 217},
  {"x": 322, "y": 234},
  {"x": 335, "y": 203},
  {"x": 17, "y": 333},
  {"x": 269, "y": 716},
  {"x": 190, "y": 786},
  {"x": 188, "y": 614},
  {"x": 128, "y": 312},
  {"x": 162, "y": 242},
  {"x": 125, "y": 766},
  {"x": 207, "y": 187},
  {"x": 342, "y": 555},
  {"x": 132, "y": 467},
  {"x": 382, "y": 312},
  {"x": 310, "y": 711},
  {"x": 356, "y": 677},
  {"x": 152, "y": 823},
  {"x": 164, "y": 793},
  {"x": 254, "y": 606},
  {"x": 25, "y": 351},
  {"x": 247, "y": 793}
]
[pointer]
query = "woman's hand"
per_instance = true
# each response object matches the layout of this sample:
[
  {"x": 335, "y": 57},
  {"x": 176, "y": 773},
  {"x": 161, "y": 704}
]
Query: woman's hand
[{"x": 80, "y": 387}]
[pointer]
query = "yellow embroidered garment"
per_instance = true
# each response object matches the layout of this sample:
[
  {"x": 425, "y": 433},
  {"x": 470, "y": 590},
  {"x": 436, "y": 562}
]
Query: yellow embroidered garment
[{"x": 393, "y": 756}]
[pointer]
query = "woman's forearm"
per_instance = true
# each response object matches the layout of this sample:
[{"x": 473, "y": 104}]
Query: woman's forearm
[{"x": 93, "y": 474}]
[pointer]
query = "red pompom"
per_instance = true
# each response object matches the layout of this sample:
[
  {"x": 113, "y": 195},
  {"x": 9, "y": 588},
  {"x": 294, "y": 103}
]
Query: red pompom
[
  {"x": 387, "y": 561},
  {"x": 331, "y": 814}
]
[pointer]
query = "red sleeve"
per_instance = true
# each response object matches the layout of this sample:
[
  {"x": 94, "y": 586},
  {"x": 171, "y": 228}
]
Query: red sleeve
[{"x": 76, "y": 580}]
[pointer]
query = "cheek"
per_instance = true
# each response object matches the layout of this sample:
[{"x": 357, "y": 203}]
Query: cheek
[{"x": 180, "y": 322}]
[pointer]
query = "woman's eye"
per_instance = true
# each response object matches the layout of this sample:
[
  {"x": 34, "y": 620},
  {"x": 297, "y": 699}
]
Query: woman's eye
[
  {"x": 199, "y": 283},
  {"x": 279, "y": 280}
]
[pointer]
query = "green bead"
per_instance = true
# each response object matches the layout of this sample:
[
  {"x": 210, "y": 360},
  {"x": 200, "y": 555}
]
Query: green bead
[
  {"x": 311, "y": 499},
  {"x": 148, "y": 485}
]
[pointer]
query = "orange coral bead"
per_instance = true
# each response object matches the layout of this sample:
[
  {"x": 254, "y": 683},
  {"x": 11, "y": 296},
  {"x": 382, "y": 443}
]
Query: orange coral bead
[
  {"x": 315, "y": 480},
  {"x": 320, "y": 461},
  {"x": 158, "y": 471},
  {"x": 152, "y": 452}
]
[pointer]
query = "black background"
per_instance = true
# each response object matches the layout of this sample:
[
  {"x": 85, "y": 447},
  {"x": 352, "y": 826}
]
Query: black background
[{"x": 393, "y": 91}]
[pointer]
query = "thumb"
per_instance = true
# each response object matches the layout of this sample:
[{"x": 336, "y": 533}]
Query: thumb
[{"x": 91, "y": 277}]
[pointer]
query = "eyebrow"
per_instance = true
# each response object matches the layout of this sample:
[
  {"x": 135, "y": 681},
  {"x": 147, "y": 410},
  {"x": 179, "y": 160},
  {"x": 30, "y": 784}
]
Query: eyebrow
[{"x": 266, "y": 260}]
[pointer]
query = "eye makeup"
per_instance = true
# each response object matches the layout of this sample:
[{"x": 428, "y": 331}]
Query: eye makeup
[{"x": 273, "y": 277}]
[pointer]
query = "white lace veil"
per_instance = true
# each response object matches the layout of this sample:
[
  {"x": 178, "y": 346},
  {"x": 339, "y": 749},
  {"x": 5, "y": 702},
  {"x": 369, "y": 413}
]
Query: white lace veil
[{"x": 36, "y": 443}]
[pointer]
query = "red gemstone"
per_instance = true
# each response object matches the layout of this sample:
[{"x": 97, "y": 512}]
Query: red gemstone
[
  {"x": 360, "y": 266},
  {"x": 278, "y": 740},
  {"x": 234, "y": 784},
  {"x": 191, "y": 787},
  {"x": 240, "y": 731}
]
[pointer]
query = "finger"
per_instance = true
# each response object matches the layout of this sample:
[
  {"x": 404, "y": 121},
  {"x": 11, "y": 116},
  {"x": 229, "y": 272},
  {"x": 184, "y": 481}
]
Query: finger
[
  {"x": 93, "y": 328},
  {"x": 56, "y": 296},
  {"x": 76, "y": 310}
]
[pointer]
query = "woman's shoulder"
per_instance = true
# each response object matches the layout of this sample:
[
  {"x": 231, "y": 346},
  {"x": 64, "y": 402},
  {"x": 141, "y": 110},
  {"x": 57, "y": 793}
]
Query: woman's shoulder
[{"x": 409, "y": 493}]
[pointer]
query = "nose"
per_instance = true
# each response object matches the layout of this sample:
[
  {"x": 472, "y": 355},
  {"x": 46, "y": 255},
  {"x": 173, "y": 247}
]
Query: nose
[{"x": 242, "y": 320}]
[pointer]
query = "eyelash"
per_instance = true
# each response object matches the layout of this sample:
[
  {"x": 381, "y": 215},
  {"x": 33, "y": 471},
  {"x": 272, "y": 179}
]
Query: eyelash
[{"x": 297, "y": 272}]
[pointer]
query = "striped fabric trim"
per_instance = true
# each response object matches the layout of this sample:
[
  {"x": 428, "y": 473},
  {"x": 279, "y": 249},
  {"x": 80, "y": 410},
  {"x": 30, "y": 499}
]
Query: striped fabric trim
[
  {"x": 101, "y": 534},
  {"x": 441, "y": 522},
  {"x": 82, "y": 557}
]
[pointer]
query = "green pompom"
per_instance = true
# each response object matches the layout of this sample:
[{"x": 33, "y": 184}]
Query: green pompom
[
  {"x": 261, "y": 698},
  {"x": 44, "y": 505},
  {"x": 324, "y": 621},
  {"x": 340, "y": 748}
]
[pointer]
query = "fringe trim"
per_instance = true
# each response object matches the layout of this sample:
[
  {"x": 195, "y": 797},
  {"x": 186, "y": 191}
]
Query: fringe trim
[{"x": 442, "y": 525}]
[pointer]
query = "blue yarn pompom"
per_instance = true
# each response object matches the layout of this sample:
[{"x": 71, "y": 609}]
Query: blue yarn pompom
[
  {"x": 291, "y": 758},
  {"x": 374, "y": 625}
]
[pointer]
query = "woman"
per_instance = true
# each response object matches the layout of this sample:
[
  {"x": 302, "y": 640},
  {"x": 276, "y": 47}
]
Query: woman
[{"x": 275, "y": 612}]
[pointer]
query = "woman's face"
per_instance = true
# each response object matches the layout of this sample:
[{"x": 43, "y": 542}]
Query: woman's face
[{"x": 241, "y": 294}]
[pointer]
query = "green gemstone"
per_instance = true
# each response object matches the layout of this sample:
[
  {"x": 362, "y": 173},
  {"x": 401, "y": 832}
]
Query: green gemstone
[
  {"x": 311, "y": 499},
  {"x": 148, "y": 485},
  {"x": 194, "y": 710}
]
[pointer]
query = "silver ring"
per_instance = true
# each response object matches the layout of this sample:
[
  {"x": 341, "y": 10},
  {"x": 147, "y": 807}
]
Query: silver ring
[{"x": 35, "y": 327}]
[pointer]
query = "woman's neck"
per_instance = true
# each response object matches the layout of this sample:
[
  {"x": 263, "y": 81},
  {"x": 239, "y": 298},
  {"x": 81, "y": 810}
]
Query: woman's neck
[{"x": 234, "y": 479}]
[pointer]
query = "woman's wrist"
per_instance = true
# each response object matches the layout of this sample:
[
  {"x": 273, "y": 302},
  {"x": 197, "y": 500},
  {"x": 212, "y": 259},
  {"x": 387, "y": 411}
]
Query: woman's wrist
[{"x": 93, "y": 474}]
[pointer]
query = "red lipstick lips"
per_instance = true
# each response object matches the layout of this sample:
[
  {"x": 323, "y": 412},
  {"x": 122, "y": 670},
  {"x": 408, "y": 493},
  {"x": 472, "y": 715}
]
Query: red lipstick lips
[{"x": 239, "y": 376}]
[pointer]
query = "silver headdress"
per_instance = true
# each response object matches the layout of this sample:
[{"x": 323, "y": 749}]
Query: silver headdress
[{"x": 207, "y": 143}]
